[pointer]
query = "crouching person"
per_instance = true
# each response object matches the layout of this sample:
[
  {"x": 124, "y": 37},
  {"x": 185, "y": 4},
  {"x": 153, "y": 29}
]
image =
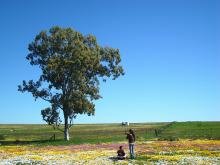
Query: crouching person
[{"x": 121, "y": 153}]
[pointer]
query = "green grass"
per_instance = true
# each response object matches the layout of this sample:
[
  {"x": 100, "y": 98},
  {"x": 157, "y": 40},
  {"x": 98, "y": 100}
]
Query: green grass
[
  {"x": 102, "y": 133},
  {"x": 192, "y": 130},
  {"x": 84, "y": 133}
]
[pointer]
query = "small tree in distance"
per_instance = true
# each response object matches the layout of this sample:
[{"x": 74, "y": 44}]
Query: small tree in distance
[
  {"x": 51, "y": 116},
  {"x": 72, "y": 65}
]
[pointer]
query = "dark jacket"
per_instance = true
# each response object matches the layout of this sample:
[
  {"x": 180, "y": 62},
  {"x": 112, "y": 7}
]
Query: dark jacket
[
  {"x": 131, "y": 138},
  {"x": 121, "y": 152}
]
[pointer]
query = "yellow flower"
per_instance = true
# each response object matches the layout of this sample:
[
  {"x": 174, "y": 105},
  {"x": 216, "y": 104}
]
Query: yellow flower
[{"x": 35, "y": 157}]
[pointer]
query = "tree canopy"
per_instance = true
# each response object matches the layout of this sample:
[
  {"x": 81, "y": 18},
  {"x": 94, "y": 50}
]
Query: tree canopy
[{"x": 72, "y": 65}]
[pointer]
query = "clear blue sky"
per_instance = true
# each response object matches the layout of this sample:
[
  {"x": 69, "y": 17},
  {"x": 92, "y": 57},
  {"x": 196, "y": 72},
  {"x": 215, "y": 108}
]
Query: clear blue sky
[{"x": 170, "y": 52}]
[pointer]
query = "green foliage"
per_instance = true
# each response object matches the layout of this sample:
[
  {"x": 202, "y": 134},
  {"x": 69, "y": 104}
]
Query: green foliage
[
  {"x": 72, "y": 65},
  {"x": 51, "y": 116}
]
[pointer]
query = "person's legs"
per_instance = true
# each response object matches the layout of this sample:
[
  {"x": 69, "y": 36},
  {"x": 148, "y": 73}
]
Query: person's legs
[
  {"x": 132, "y": 151},
  {"x": 120, "y": 157}
]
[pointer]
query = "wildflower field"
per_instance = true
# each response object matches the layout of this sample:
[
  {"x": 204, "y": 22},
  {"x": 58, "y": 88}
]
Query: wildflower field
[{"x": 95, "y": 146}]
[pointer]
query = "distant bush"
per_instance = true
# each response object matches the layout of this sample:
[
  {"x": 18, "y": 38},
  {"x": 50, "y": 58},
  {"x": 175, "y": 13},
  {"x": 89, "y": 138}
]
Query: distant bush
[
  {"x": 2, "y": 137},
  {"x": 169, "y": 138},
  {"x": 17, "y": 141}
]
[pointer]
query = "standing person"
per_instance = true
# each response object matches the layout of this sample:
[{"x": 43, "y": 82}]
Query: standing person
[{"x": 131, "y": 141}]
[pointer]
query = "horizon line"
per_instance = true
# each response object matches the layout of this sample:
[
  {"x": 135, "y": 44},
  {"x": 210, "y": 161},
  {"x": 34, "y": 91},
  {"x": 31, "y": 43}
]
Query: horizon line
[{"x": 113, "y": 122}]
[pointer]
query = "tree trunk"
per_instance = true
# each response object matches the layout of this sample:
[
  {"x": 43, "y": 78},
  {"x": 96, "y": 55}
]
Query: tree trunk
[{"x": 66, "y": 128}]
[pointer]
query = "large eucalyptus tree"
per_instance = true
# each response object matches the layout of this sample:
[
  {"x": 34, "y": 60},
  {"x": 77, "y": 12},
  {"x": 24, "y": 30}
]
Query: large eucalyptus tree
[{"x": 72, "y": 65}]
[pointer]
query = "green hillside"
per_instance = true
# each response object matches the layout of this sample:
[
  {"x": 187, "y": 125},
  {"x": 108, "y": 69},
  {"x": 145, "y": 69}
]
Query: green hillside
[{"x": 101, "y": 133}]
